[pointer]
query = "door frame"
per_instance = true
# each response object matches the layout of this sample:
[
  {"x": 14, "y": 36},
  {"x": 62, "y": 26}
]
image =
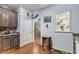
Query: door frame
[{"x": 40, "y": 30}]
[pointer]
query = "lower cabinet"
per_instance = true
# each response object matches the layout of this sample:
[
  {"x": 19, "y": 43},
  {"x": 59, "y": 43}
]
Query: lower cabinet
[
  {"x": 9, "y": 42},
  {"x": 16, "y": 41},
  {"x": 6, "y": 43},
  {"x": 0, "y": 43}
]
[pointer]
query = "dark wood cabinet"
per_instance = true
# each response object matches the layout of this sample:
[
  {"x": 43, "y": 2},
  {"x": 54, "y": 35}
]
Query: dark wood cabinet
[
  {"x": 13, "y": 20},
  {"x": 6, "y": 43},
  {"x": 9, "y": 42},
  {"x": 8, "y": 18},
  {"x": 16, "y": 41},
  {"x": 0, "y": 17},
  {"x": 0, "y": 43},
  {"x": 5, "y": 17}
]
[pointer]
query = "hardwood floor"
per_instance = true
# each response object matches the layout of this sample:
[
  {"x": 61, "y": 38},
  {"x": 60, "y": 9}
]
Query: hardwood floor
[
  {"x": 32, "y": 48},
  {"x": 27, "y": 49}
]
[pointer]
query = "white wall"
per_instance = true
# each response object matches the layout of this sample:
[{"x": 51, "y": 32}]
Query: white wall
[
  {"x": 22, "y": 18},
  {"x": 59, "y": 38},
  {"x": 63, "y": 41},
  {"x": 55, "y": 9}
]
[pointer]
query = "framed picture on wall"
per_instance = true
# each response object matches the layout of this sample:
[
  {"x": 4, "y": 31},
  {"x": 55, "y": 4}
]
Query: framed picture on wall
[
  {"x": 63, "y": 22},
  {"x": 47, "y": 19}
]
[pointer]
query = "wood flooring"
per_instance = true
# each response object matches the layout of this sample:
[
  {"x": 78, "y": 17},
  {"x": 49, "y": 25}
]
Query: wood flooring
[{"x": 31, "y": 48}]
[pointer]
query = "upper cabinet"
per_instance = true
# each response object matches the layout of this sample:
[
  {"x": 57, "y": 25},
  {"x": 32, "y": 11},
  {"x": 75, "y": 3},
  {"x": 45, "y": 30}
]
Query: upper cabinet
[
  {"x": 5, "y": 17},
  {"x": 8, "y": 18},
  {"x": 0, "y": 17},
  {"x": 13, "y": 20}
]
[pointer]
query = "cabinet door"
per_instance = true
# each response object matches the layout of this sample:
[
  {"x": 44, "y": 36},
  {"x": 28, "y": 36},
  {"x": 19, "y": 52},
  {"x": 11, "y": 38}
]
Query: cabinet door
[
  {"x": 16, "y": 41},
  {"x": 6, "y": 43},
  {"x": 0, "y": 18},
  {"x": 0, "y": 44},
  {"x": 5, "y": 17},
  {"x": 13, "y": 19},
  {"x": 10, "y": 19}
]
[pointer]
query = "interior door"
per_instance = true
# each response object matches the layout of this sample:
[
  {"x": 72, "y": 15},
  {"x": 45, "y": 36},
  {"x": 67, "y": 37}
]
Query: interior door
[{"x": 28, "y": 32}]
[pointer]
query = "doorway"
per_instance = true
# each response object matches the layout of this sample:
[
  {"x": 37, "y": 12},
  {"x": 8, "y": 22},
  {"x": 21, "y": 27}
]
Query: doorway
[{"x": 37, "y": 31}]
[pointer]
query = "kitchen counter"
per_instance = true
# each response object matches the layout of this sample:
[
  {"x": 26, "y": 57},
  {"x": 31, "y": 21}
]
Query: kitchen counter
[{"x": 1, "y": 35}]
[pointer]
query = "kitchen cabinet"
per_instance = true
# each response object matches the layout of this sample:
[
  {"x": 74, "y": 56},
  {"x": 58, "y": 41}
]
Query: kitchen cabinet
[
  {"x": 0, "y": 43},
  {"x": 0, "y": 17},
  {"x": 5, "y": 17},
  {"x": 16, "y": 41},
  {"x": 13, "y": 20},
  {"x": 8, "y": 18},
  {"x": 9, "y": 41},
  {"x": 6, "y": 43}
]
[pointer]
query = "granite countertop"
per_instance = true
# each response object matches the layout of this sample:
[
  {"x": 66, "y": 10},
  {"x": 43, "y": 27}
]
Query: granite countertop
[{"x": 8, "y": 34}]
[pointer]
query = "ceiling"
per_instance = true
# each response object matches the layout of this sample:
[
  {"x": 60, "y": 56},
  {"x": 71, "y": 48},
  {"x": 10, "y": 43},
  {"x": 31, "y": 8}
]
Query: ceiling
[{"x": 31, "y": 7}]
